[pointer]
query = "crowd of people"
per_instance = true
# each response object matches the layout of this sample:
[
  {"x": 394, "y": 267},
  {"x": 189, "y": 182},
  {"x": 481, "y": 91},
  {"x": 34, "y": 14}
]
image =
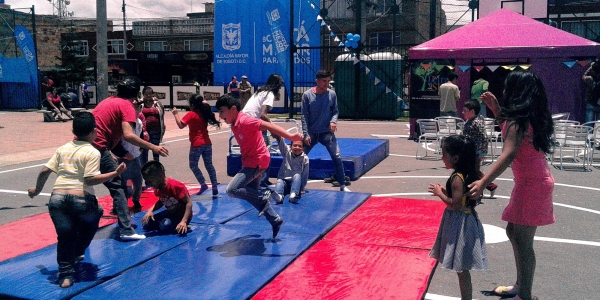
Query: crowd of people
[{"x": 116, "y": 129}]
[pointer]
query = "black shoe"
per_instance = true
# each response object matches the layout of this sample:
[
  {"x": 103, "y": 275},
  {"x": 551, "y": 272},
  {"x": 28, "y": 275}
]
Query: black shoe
[
  {"x": 329, "y": 179},
  {"x": 336, "y": 184},
  {"x": 276, "y": 226}
]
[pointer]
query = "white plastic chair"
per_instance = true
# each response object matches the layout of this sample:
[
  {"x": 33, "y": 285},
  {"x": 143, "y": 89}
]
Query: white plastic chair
[
  {"x": 575, "y": 139},
  {"x": 494, "y": 137},
  {"x": 593, "y": 138},
  {"x": 450, "y": 125},
  {"x": 428, "y": 132}
]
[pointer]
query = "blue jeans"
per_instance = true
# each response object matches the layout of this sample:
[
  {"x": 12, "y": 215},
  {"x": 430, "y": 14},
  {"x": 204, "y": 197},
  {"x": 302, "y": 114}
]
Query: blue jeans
[
  {"x": 592, "y": 113},
  {"x": 194, "y": 157},
  {"x": 76, "y": 220},
  {"x": 133, "y": 173},
  {"x": 154, "y": 224},
  {"x": 155, "y": 140},
  {"x": 115, "y": 188},
  {"x": 328, "y": 140},
  {"x": 293, "y": 185},
  {"x": 244, "y": 185}
]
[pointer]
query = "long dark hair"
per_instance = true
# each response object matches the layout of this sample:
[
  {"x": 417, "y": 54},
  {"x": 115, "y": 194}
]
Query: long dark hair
[
  {"x": 465, "y": 148},
  {"x": 274, "y": 83},
  {"x": 526, "y": 103},
  {"x": 204, "y": 110}
]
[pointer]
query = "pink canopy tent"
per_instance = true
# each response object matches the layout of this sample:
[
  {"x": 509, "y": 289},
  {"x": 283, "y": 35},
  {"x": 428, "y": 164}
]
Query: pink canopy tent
[{"x": 558, "y": 57}]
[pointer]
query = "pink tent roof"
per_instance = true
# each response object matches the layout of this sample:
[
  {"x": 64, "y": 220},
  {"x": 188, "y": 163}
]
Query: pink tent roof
[{"x": 505, "y": 34}]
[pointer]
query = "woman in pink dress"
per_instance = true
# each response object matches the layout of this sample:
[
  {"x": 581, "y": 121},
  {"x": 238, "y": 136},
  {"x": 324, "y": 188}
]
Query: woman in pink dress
[{"x": 527, "y": 129}]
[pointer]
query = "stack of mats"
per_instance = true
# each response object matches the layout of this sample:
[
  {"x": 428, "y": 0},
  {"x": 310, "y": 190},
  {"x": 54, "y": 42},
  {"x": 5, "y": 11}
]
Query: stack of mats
[
  {"x": 380, "y": 250},
  {"x": 358, "y": 157}
]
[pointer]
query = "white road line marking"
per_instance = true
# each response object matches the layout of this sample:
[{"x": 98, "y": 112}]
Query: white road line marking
[
  {"x": 23, "y": 168},
  {"x": 21, "y": 192},
  {"x": 577, "y": 207},
  {"x": 430, "y": 296},
  {"x": 566, "y": 241},
  {"x": 187, "y": 139}
]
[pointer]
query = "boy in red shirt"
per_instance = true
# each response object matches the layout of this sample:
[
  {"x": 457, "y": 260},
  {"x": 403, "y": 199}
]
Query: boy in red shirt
[
  {"x": 255, "y": 156},
  {"x": 173, "y": 195}
]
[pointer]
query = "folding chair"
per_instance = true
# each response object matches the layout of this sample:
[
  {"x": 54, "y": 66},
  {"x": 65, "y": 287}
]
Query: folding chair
[
  {"x": 428, "y": 132},
  {"x": 573, "y": 138}
]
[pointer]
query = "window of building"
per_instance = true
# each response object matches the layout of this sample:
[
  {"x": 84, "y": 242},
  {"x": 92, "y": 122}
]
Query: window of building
[
  {"x": 80, "y": 48},
  {"x": 115, "y": 47},
  {"x": 155, "y": 46},
  {"x": 196, "y": 45},
  {"x": 384, "y": 39},
  {"x": 586, "y": 29}
]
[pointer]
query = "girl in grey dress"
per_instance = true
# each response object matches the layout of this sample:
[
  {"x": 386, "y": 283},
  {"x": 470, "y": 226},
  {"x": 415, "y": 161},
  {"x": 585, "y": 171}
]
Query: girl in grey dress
[{"x": 460, "y": 242}]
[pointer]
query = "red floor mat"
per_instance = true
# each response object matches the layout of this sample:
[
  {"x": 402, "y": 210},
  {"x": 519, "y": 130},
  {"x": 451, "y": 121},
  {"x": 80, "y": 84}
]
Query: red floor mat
[
  {"x": 36, "y": 232},
  {"x": 380, "y": 251}
]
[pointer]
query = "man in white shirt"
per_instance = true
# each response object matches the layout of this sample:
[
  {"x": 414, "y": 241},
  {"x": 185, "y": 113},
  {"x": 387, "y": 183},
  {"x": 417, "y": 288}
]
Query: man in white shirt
[{"x": 449, "y": 95}]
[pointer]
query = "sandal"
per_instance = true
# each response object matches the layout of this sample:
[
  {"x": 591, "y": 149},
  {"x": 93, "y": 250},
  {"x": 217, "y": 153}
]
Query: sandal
[
  {"x": 504, "y": 291},
  {"x": 65, "y": 282}
]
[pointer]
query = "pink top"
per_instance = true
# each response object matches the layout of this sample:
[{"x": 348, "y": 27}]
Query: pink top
[
  {"x": 198, "y": 129},
  {"x": 55, "y": 100},
  {"x": 110, "y": 114},
  {"x": 531, "y": 198},
  {"x": 252, "y": 145}
]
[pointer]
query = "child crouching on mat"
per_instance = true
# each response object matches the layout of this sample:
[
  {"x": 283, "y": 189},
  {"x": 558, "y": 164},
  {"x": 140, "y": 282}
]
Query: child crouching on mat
[
  {"x": 460, "y": 242},
  {"x": 173, "y": 195},
  {"x": 74, "y": 209},
  {"x": 293, "y": 173},
  {"x": 255, "y": 156}
]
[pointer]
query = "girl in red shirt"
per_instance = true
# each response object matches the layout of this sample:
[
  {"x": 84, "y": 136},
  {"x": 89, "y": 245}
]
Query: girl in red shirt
[{"x": 198, "y": 119}]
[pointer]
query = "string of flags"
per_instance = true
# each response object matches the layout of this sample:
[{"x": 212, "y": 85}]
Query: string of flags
[{"x": 352, "y": 41}]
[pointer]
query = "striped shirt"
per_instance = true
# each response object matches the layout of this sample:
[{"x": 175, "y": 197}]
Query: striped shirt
[{"x": 72, "y": 162}]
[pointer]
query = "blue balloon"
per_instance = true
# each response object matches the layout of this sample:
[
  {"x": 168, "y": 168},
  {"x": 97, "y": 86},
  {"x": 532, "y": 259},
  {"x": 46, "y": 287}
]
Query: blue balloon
[
  {"x": 347, "y": 44},
  {"x": 356, "y": 38},
  {"x": 349, "y": 36},
  {"x": 354, "y": 44}
]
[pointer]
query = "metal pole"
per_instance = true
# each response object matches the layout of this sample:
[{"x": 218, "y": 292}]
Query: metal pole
[
  {"x": 358, "y": 6},
  {"x": 101, "y": 55},
  {"x": 124, "y": 33},
  {"x": 432, "y": 17},
  {"x": 34, "y": 28},
  {"x": 292, "y": 51}
]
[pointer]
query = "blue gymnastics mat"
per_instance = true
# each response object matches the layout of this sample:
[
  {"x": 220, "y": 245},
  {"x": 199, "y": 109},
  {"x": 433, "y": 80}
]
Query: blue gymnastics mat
[
  {"x": 317, "y": 212},
  {"x": 358, "y": 157},
  {"x": 222, "y": 262},
  {"x": 33, "y": 275},
  {"x": 233, "y": 260}
]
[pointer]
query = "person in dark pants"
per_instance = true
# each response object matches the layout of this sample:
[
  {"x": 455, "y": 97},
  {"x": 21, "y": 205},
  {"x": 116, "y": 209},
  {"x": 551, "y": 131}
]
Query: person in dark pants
[
  {"x": 116, "y": 117},
  {"x": 74, "y": 209}
]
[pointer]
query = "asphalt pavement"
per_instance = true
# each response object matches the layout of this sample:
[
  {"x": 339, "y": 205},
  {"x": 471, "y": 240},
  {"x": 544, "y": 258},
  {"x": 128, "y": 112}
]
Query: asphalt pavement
[{"x": 567, "y": 252}]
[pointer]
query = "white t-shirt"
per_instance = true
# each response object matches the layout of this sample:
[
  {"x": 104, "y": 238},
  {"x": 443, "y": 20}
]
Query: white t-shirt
[{"x": 254, "y": 105}]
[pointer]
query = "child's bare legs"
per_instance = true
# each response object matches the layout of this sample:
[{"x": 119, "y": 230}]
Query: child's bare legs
[
  {"x": 521, "y": 239},
  {"x": 464, "y": 282}
]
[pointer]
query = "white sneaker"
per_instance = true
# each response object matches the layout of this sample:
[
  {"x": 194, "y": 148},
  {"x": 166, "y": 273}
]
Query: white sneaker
[
  {"x": 293, "y": 195},
  {"x": 275, "y": 196},
  {"x": 132, "y": 237},
  {"x": 345, "y": 189}
]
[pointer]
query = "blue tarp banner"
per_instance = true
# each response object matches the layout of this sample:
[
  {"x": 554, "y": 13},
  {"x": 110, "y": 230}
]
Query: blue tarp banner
[
  {"x": 253, "y": 38},
  {"x": 14, "y": 70},
  {"x": 25, "y": 43}
]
